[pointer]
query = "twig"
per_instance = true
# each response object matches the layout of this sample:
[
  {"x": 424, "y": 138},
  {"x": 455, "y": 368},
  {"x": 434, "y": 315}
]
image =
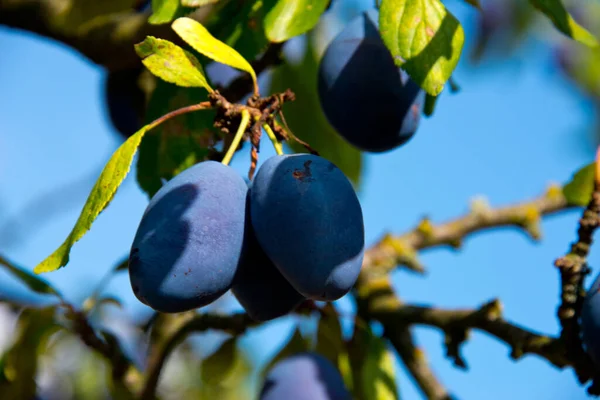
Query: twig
[
  {"x": 235, "y": 324},
  {"x": 391, "y": 251},
  {"x": 573, "y": 269}
]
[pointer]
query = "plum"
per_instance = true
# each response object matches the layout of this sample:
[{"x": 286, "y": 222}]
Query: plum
[
  {"x": 590, "y": 321},
  {"x": 370, "y": 102},
  {"x": 304, "y": 376},
  {"x": 189, "y": 243},
  {"x": 125, "y": 101},
  {"x": 259, "y": 286},
  {"x": 309, "y": 222}
]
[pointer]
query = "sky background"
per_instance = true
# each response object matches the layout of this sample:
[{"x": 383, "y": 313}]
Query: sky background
[{"x": 515, "y": 127}]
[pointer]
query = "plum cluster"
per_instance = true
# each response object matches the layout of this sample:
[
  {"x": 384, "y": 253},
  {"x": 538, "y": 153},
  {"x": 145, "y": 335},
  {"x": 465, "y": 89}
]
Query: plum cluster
[
  {"x": 370, "y": 102},
  {"x": 296, "y": 233},
  {"x": 590, "y": 321},
  {"x": 304, "y": 376}
]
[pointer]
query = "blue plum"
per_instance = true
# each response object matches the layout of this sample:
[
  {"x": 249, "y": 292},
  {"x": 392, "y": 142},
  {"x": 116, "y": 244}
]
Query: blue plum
[
  {"x": 304, "y": 376},
  {"x": 371, "y": 102},
  {"x": 590, "y": 321},
  {"x": 189, "y": 243},
  {"x": 259, "y": 287},
  {"x": 309, "y": 222},
  {"x": 125, "y": 101}
]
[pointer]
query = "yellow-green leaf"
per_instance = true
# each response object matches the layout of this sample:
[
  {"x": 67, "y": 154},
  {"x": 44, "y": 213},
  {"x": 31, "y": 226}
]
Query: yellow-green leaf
[
  {"x": 579, "y": 190},
  {"x": 291, "y": 18},
  {"x": 564, "y": 22},
  {"x": 171, "y": 63},
  {"x": 425, "y": 39},
  {"x": 163, "y": 11},
  {"x": 330, "y": 342},
  {"x": 197, "y": 36},
  {"x": 101, "y": 195},
  {"x": 33, "y": 282},
  {"x": 378, "y": 372}
]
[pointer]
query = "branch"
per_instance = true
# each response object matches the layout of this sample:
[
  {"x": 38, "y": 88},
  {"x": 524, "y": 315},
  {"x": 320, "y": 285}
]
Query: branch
[
  {"x": 108, "y": 43},
  {"x": 402, "y": 249},
  {"x": 456, "y": 324},
  {"x": 573, "y": 269},
  {"x": 235, "y": 324}
]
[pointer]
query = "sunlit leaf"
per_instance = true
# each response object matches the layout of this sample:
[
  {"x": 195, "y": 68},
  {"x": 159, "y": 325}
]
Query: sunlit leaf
[
  {"x": 172, "y": 63},
  {"x": 33, "y": 282},
  {"x": 291, "y": 18},
  {"x": 164, "y": 11},
  {"x": 579, "y": 190},
  {"x": 197, "y": 36},
  {"x": 101, "y": 195},
  {"x": 425, "y": 39},
  {"x": 372, "y": 366},
  {"x": 198, "y": 3},
  {"x": 564, "y": 22}
]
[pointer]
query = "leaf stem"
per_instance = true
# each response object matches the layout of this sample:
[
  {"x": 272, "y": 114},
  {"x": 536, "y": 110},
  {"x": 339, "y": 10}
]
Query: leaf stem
[
  {"x": 183, "y": 110},
  {"x": 276, "y": 143},
  {"x": 238, "y": 137}
]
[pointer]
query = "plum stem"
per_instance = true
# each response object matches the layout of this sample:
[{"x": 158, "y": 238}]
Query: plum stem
[
  {"x": 238, "y": 137},
  {"x": 276, "y": 143}
]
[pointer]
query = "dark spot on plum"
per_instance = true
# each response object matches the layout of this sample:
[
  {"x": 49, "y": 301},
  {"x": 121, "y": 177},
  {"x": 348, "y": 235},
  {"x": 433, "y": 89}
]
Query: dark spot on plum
[{"x": 304, "y": 175}]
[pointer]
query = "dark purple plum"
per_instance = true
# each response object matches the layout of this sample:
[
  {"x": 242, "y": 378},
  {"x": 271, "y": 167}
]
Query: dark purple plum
[
  {"x": 304, "y": 376},
  {"x": 590, "y": 321},
  {"x": 309, "y": 222},
  {"x": 259, "y": 287},
  {"x": 125, "y": 101},
  {"x": 189, "y": 242},
  {"x": 371, "y": 102}
]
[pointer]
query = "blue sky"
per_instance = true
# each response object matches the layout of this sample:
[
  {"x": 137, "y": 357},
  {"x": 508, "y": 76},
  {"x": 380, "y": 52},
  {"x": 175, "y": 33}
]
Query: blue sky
[{"x": 515, "y": 127}]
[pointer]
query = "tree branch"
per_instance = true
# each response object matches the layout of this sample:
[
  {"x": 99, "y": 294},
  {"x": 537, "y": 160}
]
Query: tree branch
[
  {"x": 391, "y": 251},
  {"x": 235, "y": 324},
  {"x": 108, "y": 42}
]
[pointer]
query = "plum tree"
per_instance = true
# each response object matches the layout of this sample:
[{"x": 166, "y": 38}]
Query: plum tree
[
  {"x": 259, "y": 287},
  {"x": 125, "y": 101},
  {"x": 309, "y": 222},
  {"x": 371, "y": 102},
  {"x": 590, "y": 321},
  {"x": 304, "y": 376},
  {"x": 189, "y": 242}
]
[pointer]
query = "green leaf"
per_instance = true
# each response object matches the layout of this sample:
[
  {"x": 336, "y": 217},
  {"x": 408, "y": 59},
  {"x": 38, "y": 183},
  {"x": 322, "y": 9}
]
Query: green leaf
[
  {"x": 33, "y": 282},
  {"x": 564, "y": 22},
  {"x": 579, "y": 190},
  {"x": 241, "y": 26},
  {"x": 330, "y": 342},
  {"x": 171, "y": 63},
  {"x": 101, "y": 195},
  {"x": 291, "y": 18},
  {"x": 19, "y": 365},
  {"x": 372, "y": 366},
  {"x": 217, "y": 367},
  {"x": 425, "y": 39},
  {"x": 316, "y": 130},
  {"x": 378, "y": 373},
  {"x": 177, "y": 143},
  {"x": 197, "y": 36},
  {"x": 163, "y": 11}
]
